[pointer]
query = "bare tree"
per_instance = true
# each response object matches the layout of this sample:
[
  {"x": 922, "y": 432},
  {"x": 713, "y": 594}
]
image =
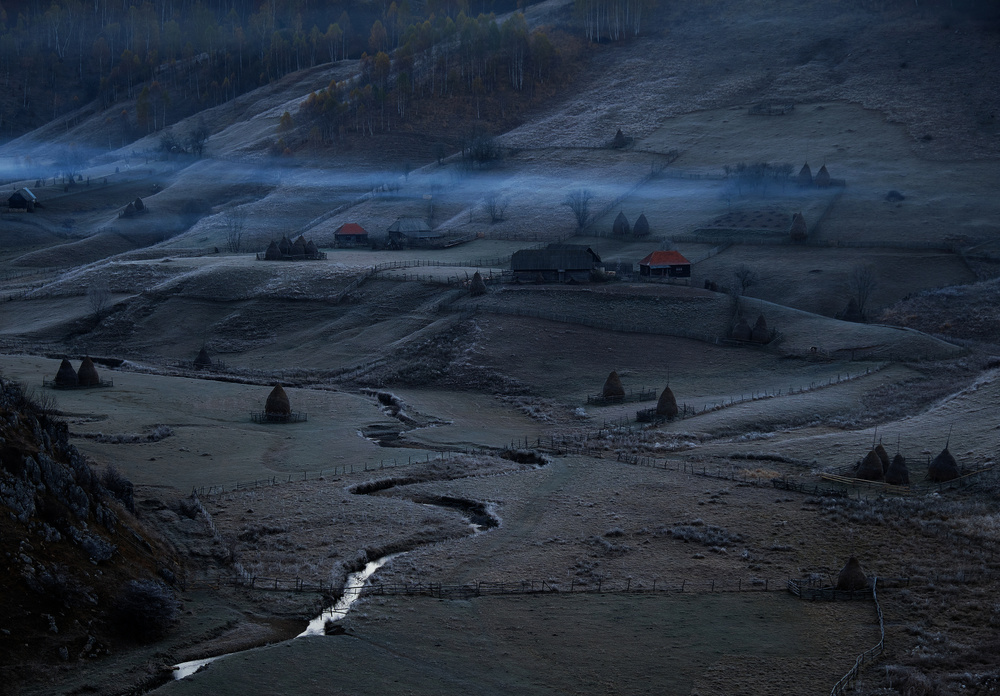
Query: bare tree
[
  {"x": 495, "y": 206},
  {"x": 745, "y": 278},
  {"x": 862, "y": 283},
  {"x": 99, "y": 296},
  {"x": 579, "y": 203},
  {"x": 235, "y": 219},
  {"x": 197, "y": 137}
]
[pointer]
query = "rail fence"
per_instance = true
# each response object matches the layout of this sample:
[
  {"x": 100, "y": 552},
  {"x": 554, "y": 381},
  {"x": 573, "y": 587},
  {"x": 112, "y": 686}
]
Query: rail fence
[{"x": 868, "y": 655}]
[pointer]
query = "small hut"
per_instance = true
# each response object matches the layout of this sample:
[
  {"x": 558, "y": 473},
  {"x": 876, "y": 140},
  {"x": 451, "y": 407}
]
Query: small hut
[
  {"x": 87, "y": 375},
  {"x": 613, "y": 388},
  {"x": 350, "y": 234},
  {"x": 943, "y": 468},
  {"x": 273, "y": 253},
  {"x": 805, "y": 177},
  {"x": 883, "y": 457},
  {"x": 621, "y": 228},
  {"x": 22, "y": 199},
  {"x": 277, "y": 403},
  {"x": 870, "y": 468},
  {"x": 822, "y": 177},
  {"x": 203, "y": 360},
  {"x": 641, "y": 226},
  {"x": 760, "y": 334},
  {"x": 742, "y": 330},
  {"x": 798, "y": 230},
  {"x": 852, "y": 577},
  {"x": 666, "y": 406},
  {"x": 66, "y": 376},
  {"x": 477, "y": 287},
  {"x": 897, "y": 474}
]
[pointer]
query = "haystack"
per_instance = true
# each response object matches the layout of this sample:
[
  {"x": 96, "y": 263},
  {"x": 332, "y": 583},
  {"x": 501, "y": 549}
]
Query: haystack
[
  {"x": 666, "y": 406},
  {"x": 299, "y": 248},
  {"x": 619, "y": 141},
  {"x": 883, "y": 457},
  {"x": 477, "y": 287},
  {"x": 129, "y": 210},
  {"x": 870, "y": 468},
  {"x": 285, "y": 246},
  {"x": 66, "y": 376},
  {"x": 943, "y": 468},
  {"x": 87, "y": 375},
  {"x": 273, "y": 253},
  {"x": 621, "y": 226},
  {"x": 897, "y": 475},
  {"x": 852, "y": 577},
  {"x": 798, "y": 230},
  {"x": 277, "y": 403},
  {"x": 742, "y": 330},
  {"x": 641, "y": 226},
  {"x": 760, "y": 334},
  {"x": 203, "y": 359},
  {"x": 311, "y": 248},
  {"x": 805, "y": 177},
  {"x": 613, "y": 387},
  {"x": 139, "y": 205},
  {"x": 852, "y": 312},
  {"x": 822, "y": 177}
]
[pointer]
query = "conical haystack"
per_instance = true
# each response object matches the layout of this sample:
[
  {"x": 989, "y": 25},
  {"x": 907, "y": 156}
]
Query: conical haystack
[
  {"x": 129, "y": 209},
  {"x": 477, "y": 287},
  {"x": 798, "y": 230},
  {"x": 667, "y": 405},
  {"x": 805, "y": 177},
  {"x": 822, "y": 177},
  {"x": 139, "y": 205},
  {"x": 203, "y": 359},
  {"x": 311, "y": 248},
  {"x": 66, "y": 376},
  {"x": 871, "y": 467},
  {"x": 943, "y": 468},
  {"x": 619, "y": 140},
  {"x": 87, "y": 375},
  {"x": 883, "y": 457},
  {"x": 760, "y": 334},
  {"x": 299, "y": 248},
  {"x": 273, "y": 253},
  {"x": 613, "y": 387},
  {"x": 742, "y": 330},
  {"x": 277, "y": 402},
  {"x": 641, "y": 226},
  {"x": 897, "y": 474},
  {"x": 621, "y": 226},
  {"x": 285, "y": 246},
  {"x": 852, "y": 312},
  {"x": 852, "y": 577}
]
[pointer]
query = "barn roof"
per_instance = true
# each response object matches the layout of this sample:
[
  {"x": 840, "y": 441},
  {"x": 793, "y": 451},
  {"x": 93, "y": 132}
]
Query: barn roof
[
  {"x": 413, "y": 227},
  {"x": 350, "y": 229},
  {"x": 665, "y": 258},
  {"x": 26, "y": 194},
  {"x": 552, "y": 260}
]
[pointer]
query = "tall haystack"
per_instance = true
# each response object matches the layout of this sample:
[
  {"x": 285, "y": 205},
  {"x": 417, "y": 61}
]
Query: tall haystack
[
  {"x": 139, "y": 205},
  {"x": 943, "y": 468},
  {"x": 477, "y": 287},
  {"x": 666, "y": 406},
  {"x": 883, "y": 457},
  {"x": 760, "y": 334},
  {"x": 870, "y": 468},
  {"x": 742, "y": 330},
  {"x": 798, "y": 230},
  {"x": 822, "y": 177},
  {"x": 273, "y": 253},
  {"x": 897, "y": 475},
  {"x": 311, "y": 248},
  {"x": 805, "y": 177},
  {"x": 87, "y": 375},
  {"x": 277, "y": 403},
  {"x": 619, "y": 140},
  {"x": 613, "y": 387},
  {"x": 641, "y": 226},
  {"x": 852, "y": 577},
  {"x": 852, "y": 312},
  {"x": 285, "y": 246},
  {"x": 299, "y": 248},
  {"x": 203, "y": 359},
  {"x": 66, "y": 376},
  {"x": 621, "y": 226}
]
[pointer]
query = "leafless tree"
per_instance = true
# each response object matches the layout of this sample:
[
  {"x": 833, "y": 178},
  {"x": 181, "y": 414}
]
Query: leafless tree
[
  {"x": 745, "y": 278},
  {"x": 862, "y": 283},
  {"x": 235, "y": 219},
  {"x": 579, "y": 203},
  {"x": 495, "y": 206},
  {"x": 99, "y": 296}
]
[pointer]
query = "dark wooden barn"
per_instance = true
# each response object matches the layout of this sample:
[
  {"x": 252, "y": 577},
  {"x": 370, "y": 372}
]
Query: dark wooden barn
[
  {"x": 557, "y": 264},
  {"x": 665, "y": 264},
  {"x": 413, "y": 232},
  {"x": 22, "y": 199}
]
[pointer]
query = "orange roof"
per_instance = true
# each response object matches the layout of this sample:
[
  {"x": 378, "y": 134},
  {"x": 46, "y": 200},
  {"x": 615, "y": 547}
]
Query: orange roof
[
  {"x": 350, "y": 228},
  {"x": 665, "y": 258}
]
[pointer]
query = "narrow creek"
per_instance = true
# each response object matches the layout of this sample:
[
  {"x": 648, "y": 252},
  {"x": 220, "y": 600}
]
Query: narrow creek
[{"x": 480, "y": 520}]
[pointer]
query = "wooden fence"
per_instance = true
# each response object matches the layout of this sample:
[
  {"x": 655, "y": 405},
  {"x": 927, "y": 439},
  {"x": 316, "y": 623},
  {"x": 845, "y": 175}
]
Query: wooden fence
[
  {"x": 633, "y": 396},
  {"x": 868, "y": 655}
]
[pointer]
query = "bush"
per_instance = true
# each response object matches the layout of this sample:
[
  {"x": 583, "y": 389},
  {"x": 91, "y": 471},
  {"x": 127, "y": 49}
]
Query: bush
[
  {"x": 120, "y": 487},
  {"x": 145, "y": 609}
]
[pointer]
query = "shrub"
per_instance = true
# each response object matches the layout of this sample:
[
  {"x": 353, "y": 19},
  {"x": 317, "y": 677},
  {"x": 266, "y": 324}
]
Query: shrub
[
  {"x": 145, "y": 609},
  {"x": 119, "y": 486}
]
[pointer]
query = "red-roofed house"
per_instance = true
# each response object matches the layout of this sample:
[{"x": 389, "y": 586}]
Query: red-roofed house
[
  {"x": 665, "y": 264},
  {"x": 350, "y": 234}
]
